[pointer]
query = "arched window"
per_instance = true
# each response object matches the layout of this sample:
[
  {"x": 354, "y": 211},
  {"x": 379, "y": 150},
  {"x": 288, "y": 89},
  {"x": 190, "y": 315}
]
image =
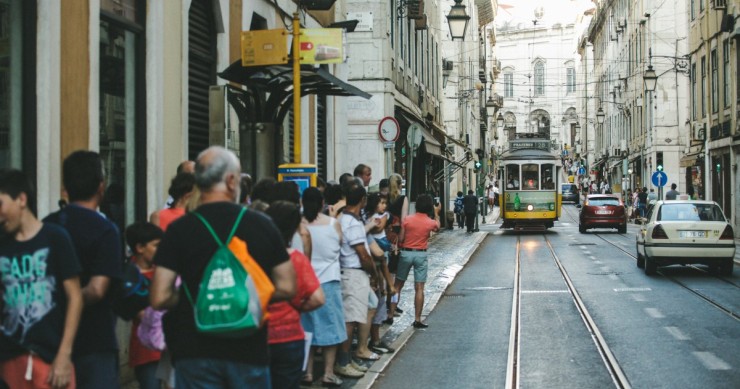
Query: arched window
[{"x": 539, "y": 78}]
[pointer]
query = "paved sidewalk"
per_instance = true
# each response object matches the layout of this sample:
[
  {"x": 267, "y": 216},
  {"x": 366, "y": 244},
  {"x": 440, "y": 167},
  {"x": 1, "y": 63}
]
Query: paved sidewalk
[{"x": 449, "y": 251}]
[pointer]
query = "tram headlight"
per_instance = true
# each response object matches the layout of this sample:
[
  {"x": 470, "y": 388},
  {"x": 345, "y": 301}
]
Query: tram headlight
[{"x": 530, "y": 207}]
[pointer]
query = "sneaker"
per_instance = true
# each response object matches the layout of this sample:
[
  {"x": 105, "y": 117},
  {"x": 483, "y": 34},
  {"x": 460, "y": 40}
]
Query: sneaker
[
  {"x": 358, "y": 366},
  {"x": 399, "y": 310},
  {"x": 331, "y": 382},
  {"x": 384, "y": 345},
  {"x": 388, "y": 321},
  {"x": 348, "y": 371},
  {"x": 418, "y": 324}
]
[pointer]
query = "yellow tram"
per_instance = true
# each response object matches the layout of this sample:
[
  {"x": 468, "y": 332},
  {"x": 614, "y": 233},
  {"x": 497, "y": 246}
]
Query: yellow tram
[{"x": 530, "y": 184}]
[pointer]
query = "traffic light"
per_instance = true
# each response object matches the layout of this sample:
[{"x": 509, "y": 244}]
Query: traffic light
[
  {"x": 719, "y": 168},
  {"x": 660, "y": 168},
  {"x": 659, "y": 160},
  {"x": 477, "y": 166}
]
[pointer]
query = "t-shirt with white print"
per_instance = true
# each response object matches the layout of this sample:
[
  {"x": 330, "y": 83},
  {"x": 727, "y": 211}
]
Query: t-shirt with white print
[
  {"x": 378, "y": 216},
  {"x": 34, "y": 304}
]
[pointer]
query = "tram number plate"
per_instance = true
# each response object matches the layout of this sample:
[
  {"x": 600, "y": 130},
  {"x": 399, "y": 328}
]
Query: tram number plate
[
  {"x": 603, "y": 212},
  {"x": 692, "y": 234}
]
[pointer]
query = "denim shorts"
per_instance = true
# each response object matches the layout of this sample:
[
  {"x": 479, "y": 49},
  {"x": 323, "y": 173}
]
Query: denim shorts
[
  {"x": 384, "y": 243},
  {"x": 415, "y": 259},
  {"x": 327, "y": 322},
  {"x": 211, "y": 373}
]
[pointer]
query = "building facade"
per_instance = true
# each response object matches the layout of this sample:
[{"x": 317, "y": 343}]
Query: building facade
[
  {"x": 642, "y": 131},
  {"x": 710, "y": 160}
]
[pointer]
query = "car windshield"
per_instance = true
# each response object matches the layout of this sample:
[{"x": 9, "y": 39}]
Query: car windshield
[
  {"x": 602, "y": 201},
  {"x": 690, "y": 212},
  {"x": 567, "y": 188}
]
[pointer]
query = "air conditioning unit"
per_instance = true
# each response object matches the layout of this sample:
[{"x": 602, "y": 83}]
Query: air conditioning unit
[
  {"x": 719, "y": 4},
  {"x": 699, "y": 132},
  {"x": 447, "y": 65}
]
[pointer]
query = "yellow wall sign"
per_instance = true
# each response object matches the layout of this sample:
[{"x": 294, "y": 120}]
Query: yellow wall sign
[
  {"x": 264, "y": 47},
  {"x": 322, "y": 45}
]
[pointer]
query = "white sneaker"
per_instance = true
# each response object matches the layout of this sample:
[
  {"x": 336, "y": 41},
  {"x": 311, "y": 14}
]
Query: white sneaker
[
  {"x": 358, "y": 366},
  {"x": 348, "y": 371}
]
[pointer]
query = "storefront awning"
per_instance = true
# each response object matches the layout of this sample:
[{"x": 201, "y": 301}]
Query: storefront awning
[
  {"x": 614, "y": 164},
  {"x": 429, "y": 128},
  {"x": 689, "y": 159},
  {"x": 431, "y": 145}
]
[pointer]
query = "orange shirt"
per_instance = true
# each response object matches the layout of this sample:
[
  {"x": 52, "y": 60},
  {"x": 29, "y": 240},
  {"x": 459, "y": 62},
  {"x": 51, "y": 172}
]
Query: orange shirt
[
  {"x": 167, "y": 216},
  {"x": 416, "y": 230},
  {"x": 284, "y": 324}
]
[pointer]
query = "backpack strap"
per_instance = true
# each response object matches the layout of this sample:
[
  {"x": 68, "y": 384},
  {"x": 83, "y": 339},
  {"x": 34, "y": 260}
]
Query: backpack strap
[
  {"x": 215, "y": 237},
  {"x": 213, "y": 233}
]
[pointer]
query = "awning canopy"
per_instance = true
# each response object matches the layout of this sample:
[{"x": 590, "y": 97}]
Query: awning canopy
[
  {"x": 431, "y": 145},
  {"x": 689, "y": 159},
  {"x": 277, "y": 80}
]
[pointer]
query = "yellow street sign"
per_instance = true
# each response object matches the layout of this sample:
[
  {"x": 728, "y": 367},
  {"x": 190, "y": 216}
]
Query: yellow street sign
[
  {"x": 264, "y": 47},
  {"x": 322, "y": 45}
]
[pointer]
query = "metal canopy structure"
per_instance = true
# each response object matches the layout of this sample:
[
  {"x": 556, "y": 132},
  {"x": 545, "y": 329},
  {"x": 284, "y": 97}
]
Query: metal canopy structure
[{"x": 270, "y": 89}]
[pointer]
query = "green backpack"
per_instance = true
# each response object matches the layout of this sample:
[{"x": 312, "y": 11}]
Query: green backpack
[{"x": 225, "y": 305}]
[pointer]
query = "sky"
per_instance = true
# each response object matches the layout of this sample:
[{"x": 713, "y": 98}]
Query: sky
[{"x": 555, "y": 11}]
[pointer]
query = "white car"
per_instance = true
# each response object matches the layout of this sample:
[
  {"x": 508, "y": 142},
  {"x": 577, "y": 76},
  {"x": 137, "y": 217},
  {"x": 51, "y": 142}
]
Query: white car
[{"x": 686, "y": 232}]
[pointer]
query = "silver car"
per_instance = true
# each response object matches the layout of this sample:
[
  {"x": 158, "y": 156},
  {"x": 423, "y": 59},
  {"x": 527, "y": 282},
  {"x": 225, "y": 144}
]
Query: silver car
[{"x": 570, "y": 193}]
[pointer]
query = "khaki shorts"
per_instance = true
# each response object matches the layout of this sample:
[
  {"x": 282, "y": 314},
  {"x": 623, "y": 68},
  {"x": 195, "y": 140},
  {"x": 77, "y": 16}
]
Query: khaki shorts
[{"x": 355, "y": 293}]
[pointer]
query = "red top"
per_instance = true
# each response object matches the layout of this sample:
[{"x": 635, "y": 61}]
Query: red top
[
  {"x": 138, "y": 354},
  {"x": 284, "y": 324},
  {"x": 167, "y": 216},
  {"x": 417, "y": 228}
]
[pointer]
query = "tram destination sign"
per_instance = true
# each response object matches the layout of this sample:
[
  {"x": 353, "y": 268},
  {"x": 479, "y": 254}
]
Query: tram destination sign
[{"x": 529, "y": 144}]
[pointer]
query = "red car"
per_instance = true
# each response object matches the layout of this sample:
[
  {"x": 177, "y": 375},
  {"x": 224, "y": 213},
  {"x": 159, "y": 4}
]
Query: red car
[{"x": 603, "y": 211}]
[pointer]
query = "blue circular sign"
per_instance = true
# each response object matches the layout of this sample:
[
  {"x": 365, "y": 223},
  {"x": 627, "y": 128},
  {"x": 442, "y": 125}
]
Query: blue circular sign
[{"x": 659, "y": 179}]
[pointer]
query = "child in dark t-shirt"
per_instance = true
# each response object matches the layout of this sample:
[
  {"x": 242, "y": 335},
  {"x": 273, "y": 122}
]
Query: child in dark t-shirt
[{"x": 41, "y": 301}]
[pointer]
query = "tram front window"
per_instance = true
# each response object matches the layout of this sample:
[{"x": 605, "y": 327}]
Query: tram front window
[
  {"x": 512, "y": 177},
  {"x": 548, "y": 182},
  {"x": 530, "y": 177}
]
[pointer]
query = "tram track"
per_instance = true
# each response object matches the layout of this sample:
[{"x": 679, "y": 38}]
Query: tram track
[
  {"x": 612, "y": 365},
  {"x": 698, "y": 293}
]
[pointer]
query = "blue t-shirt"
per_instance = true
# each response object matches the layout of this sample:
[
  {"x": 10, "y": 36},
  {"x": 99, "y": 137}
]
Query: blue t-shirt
[
  {"x": 98, "y": 245},
  {"x": 34, "y": 305}
]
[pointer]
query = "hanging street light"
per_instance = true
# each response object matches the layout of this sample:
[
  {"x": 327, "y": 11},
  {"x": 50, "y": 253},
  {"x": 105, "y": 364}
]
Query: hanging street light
[
  {"x": 600, "y": 116},
  {"x": 458, "y": 21},
  {"x": 500, "y": 120},
  {"x": 650, "y": 78}
]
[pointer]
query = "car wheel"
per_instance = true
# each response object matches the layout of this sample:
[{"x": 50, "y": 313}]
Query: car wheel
[
  {"x": 725, "y": 269},
  {"x": 581, "y": 229},
  {"x": 640, "y": 261},
  {"x": 651, "y": 268},
  {"x": 622, "y": 229}
]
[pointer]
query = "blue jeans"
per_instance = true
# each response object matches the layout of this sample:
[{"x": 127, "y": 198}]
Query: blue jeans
[
  {"x": 286, "y": 361},
  {"x": 146, "y": 376},
  {"x": 208, "y": 373},
  {"x": 97, "y": 370}
]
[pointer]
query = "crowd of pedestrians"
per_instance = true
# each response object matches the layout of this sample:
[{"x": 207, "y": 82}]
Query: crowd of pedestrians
[{"x": 336, "y": 257}]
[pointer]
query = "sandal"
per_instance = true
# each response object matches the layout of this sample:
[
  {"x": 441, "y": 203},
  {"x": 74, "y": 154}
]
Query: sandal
[
  {"x": 372, "y": 357},
  {"x": 331, "y": 382},
  {"x": 307, "y": 380}
]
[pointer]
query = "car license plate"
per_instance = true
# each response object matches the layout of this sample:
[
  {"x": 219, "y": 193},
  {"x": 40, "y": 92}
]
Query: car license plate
[
  {"x": 692, "y": 234},
  {"x": 603, "y": 212}
]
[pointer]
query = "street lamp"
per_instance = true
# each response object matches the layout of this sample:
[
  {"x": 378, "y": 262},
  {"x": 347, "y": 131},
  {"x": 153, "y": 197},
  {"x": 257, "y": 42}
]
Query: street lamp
[
  {"x": 600, "y": 115},
  {"x": 500, "y": 120},
  {"x": 650, "y": 78},
  {"x": 458, "y": 20}
]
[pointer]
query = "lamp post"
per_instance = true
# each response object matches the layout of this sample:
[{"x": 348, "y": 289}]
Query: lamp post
[{"x": 458, "y": 20}]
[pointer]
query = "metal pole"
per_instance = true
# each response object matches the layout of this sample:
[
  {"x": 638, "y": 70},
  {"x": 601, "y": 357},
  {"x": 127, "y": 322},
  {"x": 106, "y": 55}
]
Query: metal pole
[{"x": 296, "y": 88}]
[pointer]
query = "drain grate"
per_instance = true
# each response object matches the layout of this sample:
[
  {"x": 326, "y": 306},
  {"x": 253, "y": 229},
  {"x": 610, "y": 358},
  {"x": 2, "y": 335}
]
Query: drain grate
[
  {"x": 582, "y": 244},
  {"x": 606, "y": 273}
]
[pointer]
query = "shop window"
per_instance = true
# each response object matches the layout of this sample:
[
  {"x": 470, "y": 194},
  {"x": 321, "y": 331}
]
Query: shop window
[
  {"x": 17, "y": 85},
  {"x": 122, "y": 120}
]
